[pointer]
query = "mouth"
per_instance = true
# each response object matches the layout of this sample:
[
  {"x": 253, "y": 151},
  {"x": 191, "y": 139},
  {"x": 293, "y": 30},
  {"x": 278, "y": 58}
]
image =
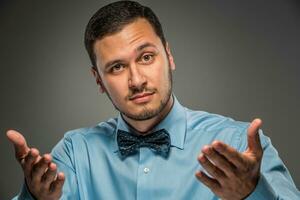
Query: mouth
[{"x": 141, "y": 97}]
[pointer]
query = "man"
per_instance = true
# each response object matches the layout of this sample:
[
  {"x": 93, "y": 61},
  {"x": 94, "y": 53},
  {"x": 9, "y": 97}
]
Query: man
[{"x": 151, "y": 150}]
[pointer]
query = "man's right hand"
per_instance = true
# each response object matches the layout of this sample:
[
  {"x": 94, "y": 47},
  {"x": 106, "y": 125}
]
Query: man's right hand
[{"x": 42, "y": 178}]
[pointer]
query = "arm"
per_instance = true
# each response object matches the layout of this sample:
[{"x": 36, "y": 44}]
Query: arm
[
  {"x": 63, "y": 156},
  {"x": 275, "y": 178},
  {"x": 246, "y": 175}
]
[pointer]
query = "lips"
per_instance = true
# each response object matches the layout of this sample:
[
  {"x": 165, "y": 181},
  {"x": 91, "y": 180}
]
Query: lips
[{"x": 141, "y": 95}]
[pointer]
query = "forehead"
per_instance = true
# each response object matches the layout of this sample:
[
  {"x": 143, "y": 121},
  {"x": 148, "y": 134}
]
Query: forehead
[{"x": 125, "y": 42}]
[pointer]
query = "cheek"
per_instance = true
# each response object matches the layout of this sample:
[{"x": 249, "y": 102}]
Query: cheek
[
  {"x": 158, "y": 73},
  {"x": 117, "y": 88},
  {"x": 161, "y": 76}
]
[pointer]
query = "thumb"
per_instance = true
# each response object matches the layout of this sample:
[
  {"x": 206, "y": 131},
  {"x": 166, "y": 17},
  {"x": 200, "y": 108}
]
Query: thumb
[
  {"x": 254, "y": 144},
  {"x": 19, "y": 142}
]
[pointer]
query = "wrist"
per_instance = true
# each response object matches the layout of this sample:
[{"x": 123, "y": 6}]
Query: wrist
[{"x": 28, "y": 190}]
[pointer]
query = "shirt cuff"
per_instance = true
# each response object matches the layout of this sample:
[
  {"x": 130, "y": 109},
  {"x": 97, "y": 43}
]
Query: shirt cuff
[
  {"x": 263, "y": 190},
  {"x": 25, "y": 193}
]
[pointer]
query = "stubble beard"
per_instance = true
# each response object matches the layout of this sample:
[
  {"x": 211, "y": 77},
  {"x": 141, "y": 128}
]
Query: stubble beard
[{"x": 148, "y": 113}]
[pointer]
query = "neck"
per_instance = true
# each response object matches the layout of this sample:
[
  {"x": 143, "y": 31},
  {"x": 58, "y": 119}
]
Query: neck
[{"x": 145, "y": 126}]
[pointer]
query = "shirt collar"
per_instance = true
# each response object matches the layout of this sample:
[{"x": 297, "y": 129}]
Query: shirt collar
[{"x": 175, "y": 123}]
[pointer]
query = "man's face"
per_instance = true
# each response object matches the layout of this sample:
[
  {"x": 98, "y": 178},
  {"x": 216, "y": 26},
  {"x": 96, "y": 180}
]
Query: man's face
[{"x": 135, "y": 70}]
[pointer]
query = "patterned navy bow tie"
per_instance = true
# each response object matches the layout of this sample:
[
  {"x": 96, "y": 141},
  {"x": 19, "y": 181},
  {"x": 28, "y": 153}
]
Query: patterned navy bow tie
[{"x": 158, "y": 141}]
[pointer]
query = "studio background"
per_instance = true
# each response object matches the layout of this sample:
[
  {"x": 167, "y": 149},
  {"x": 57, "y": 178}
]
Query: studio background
[{"x": 235, "y": 58}]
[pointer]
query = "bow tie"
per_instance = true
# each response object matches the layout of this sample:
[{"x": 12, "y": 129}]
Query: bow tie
[{"x": 158, "y": 141}]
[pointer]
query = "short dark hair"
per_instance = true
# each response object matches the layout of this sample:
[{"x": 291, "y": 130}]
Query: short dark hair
[{"x": 112, "y": 18}]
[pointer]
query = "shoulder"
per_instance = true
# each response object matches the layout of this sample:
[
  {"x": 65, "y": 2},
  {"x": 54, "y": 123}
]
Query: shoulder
[
  {"x": 102, "y": 131},
  {"x": 213, "y": 122},
  {"x": 210, "y": 126},
  {"x": 221, "y": 128},
  {"x": 80, "y": 139}
]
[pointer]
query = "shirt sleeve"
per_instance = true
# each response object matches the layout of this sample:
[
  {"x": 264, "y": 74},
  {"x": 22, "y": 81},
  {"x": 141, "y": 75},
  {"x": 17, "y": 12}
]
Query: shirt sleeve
[
  {"x": 24, "y": 194},
  {"x": 63, "y": 157},
  {"x": 275, "y": 181}
]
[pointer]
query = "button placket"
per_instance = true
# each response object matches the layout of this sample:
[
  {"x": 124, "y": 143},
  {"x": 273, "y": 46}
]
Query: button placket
[{"x": 146, "y": 160}]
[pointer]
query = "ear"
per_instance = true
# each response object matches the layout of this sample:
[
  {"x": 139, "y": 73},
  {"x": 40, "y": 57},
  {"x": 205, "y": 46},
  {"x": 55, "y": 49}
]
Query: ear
[
  {"x": 170, "y": 56},
  {"x": 99, "y": 82}
]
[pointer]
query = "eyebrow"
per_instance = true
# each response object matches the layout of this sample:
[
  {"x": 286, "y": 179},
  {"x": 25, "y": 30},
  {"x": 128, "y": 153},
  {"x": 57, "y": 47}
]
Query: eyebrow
[
  {"x": 139, "y": 48},
  {"x": 143, "y": 46}
]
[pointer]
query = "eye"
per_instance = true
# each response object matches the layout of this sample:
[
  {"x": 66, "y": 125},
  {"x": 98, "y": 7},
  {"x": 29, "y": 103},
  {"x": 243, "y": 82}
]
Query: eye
[
  {"x": 117, "y": 68},
  {"x": 147, "y": 58}
]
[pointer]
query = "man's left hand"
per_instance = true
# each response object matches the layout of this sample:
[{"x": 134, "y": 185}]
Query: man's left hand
[{"x": 233, "y": 175}]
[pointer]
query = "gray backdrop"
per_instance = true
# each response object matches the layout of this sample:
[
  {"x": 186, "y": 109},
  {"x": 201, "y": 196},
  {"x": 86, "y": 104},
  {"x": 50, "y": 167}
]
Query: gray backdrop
[{"x": 235, "y": 58}]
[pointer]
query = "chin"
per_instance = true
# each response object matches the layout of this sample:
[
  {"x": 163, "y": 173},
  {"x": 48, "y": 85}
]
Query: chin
[{"x": 145, "y": 112}]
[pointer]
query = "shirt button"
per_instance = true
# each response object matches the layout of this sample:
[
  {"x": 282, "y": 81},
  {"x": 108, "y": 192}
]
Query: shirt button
[{"x": 146, "y": 170}]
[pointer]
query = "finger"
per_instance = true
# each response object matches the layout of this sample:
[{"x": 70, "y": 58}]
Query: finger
[
  {"x": 56, "y": 186},
  {"x": 39, "y": 168},
  {"x": 254, "y": 144},
  {"x": 219, "y": 160},
  {"x": 49, "y": 176},
  {"x": 211, "y": 168},
  {"x": 29, "y": 160},
  {"x": 19, "y": 142},
  {"x": 231, "y": 154},
  {"x": 206, "y": 180}
]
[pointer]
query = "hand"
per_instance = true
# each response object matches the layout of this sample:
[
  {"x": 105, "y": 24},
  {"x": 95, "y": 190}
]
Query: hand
[
  {"x": 40, "y": 172},
  {"x": 234, "y": 175}
]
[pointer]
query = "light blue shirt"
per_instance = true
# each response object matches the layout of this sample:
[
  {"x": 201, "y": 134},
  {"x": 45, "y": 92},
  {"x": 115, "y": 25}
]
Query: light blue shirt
[{"x": 94, "y": 169}]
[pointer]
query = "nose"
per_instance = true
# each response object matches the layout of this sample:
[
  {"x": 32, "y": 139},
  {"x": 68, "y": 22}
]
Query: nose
[{"x": 136, "y": 78}]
